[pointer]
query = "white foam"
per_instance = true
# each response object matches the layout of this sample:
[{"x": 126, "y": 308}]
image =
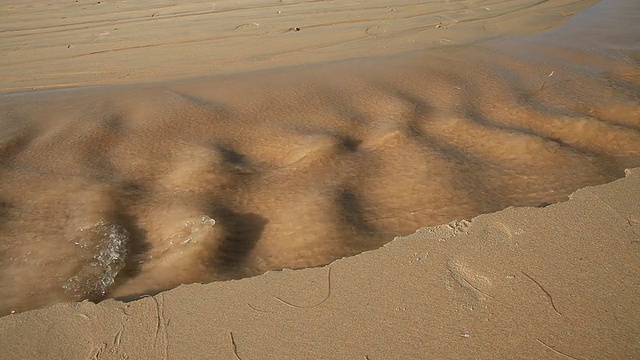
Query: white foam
[{"x": 104, "y": 245}]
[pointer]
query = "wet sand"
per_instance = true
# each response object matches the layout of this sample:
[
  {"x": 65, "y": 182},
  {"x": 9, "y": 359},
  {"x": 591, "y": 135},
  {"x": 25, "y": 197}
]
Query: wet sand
[
  {"x": 525, "y": 282},
  {"x": 131, "y": 190},
  {"x": 65, "y": 44}
]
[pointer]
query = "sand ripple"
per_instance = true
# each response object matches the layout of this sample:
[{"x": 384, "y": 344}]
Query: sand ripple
[{"x": 235, "y": 176}]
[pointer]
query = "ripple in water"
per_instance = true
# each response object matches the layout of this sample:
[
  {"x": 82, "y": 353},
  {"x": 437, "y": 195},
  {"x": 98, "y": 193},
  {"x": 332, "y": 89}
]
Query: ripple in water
[{"x": 101, "y": 254}]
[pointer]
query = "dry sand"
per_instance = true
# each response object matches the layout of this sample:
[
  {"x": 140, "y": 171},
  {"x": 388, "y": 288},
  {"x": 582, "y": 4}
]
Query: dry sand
[{"x": 230, "y": 176}]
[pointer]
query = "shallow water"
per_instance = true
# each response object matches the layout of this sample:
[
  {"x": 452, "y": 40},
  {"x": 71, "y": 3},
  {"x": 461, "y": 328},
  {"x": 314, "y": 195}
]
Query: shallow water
[{"x": 126, "y": 191}]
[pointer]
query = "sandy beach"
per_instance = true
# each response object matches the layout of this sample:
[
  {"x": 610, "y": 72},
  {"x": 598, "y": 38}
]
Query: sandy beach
[
  {"x": 329, "y": 179},
  {"x": 65, "y": 44}
]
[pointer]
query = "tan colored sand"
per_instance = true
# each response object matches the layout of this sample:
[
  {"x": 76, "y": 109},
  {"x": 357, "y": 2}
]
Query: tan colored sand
[
  {"x": 62, "y": 44},
  {"x": 297, "y": 167},
  {"x": 301, "y": 166},
  {"x": 530, "y": 283}
]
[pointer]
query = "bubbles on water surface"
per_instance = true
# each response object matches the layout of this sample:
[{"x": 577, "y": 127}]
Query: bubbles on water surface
[
  {"x": 192, "y": 230},
  {"x": 102, "y": 249}
]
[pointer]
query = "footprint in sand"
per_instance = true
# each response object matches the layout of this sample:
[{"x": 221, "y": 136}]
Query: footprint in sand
[
  {"x": 247, "y": 26},
  {"x": 497, "y": 232},
  {"x": 376, "y": 31},
  {"x": 492, "y": 27},
  {"x": 445, "y": 23},
  {"x": 470, "y": 280}
]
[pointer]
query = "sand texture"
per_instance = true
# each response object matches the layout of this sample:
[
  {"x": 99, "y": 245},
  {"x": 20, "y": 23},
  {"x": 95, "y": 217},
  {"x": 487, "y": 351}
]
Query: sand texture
[
  {"x": 72, "y": 43},
  {"x": 129, "y": 189},
  {"x": 528, "y": 283}
]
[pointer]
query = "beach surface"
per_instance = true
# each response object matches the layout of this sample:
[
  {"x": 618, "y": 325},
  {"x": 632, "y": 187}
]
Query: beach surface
[
  {"x": 531, "y": 283},
  {"x": 81, "y": 43},
  {"x": 220, "y": 143}
]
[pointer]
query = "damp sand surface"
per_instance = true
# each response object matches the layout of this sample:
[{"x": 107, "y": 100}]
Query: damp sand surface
[
  {"x": 131, "y": 190},
  {"x": 65, "y": 44}
]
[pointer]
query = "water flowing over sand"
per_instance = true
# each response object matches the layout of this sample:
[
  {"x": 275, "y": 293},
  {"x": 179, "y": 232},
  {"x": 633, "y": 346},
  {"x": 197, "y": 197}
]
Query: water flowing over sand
[{"x": 131, "y": 190}]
